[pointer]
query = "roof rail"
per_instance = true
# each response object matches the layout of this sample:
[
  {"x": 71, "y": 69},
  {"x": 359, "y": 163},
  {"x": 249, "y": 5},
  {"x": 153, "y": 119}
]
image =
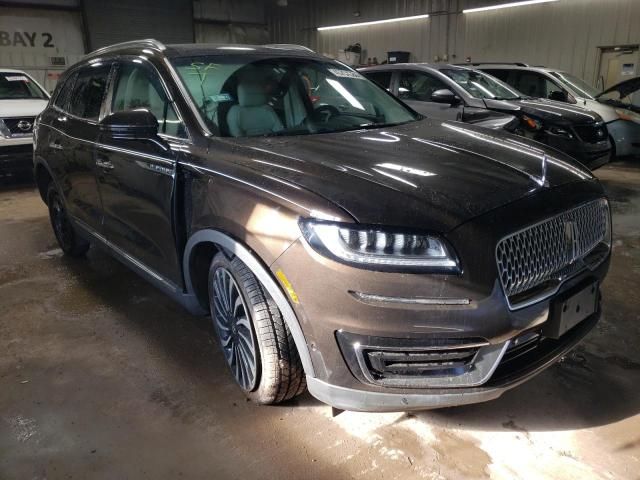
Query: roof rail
[
  {"x": 288, "y": 46},
  {"x": 475, "y": 64},
  {"x": 146, "y": 42}
]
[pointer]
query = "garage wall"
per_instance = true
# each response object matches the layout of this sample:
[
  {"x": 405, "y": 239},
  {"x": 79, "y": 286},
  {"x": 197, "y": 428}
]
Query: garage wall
[
  {"x": 40, "y": 41},
  {"x": 114, "y": 21},
  {"x": 564, "y": 34},
  {"x": 230, "y": 21}
]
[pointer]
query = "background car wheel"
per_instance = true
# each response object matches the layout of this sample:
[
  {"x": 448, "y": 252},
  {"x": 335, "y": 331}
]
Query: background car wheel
[
  {"x": 70, "y": 242},
  {"x": 254, "y": 338}
]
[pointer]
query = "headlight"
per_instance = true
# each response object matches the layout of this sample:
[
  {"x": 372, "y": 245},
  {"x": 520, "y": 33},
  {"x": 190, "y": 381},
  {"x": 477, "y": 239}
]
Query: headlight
[
  {"x": 4, "y": 131},
  {"x": 531, "y": 123},
  {"x": 378, "y": 249},
  {"x": 561, "y": 132}
]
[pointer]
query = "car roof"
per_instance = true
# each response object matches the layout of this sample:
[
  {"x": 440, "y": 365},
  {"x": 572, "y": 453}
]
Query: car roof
[
  {"x": 506, "y": 66},
  {"x": 11, "y": 70},
  {"x": 420, "y": 66}
]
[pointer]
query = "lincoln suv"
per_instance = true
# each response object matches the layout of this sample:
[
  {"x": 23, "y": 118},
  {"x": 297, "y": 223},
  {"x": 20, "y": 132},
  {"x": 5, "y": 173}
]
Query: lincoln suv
[{"x": 338, "y": 240}]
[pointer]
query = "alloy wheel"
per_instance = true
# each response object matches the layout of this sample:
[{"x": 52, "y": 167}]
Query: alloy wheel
[
  {"x": 233, "y": 323},
  {"x": 61, "y": 225}
]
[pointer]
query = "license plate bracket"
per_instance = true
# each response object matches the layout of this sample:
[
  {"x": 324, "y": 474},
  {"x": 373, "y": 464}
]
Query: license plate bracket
[{"x": 571, "y": 308}]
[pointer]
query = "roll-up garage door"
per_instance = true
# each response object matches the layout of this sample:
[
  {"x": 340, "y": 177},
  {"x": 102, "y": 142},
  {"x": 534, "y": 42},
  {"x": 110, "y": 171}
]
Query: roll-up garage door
[
  {"x": 41, "y": 42},
  {"x": 114, "y": 21}
]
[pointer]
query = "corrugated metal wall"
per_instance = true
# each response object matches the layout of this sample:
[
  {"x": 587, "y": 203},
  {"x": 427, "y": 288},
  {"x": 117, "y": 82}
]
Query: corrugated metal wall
[
  {"x": 564, "y": 34},
  {"x": 230, "y": 21},
  {"x": 113, "y": 21}
]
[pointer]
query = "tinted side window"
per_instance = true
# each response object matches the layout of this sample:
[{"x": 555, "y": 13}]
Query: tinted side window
[
  {"x": 64, "y": 91},
  {"x": 418, "y": 86},
  {"x": 139, "y": 87},
  {"x": 499, "y": 74},
  {"x": 88, "y": 92},
  {"x": 381, "y": 78},
  {"x": 535, "y": 84}
]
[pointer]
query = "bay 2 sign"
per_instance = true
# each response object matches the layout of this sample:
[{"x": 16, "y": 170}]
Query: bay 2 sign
[{"x": 26, "y": 39}]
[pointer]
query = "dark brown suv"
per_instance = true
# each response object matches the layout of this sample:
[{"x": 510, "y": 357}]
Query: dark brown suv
[{"x": 337, "y": 238}]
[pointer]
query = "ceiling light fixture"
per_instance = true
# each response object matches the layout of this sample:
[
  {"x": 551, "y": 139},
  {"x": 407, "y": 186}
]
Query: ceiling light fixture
[
  {"x": 375, "y": 22},
  {"x": 506, "y": 5}
]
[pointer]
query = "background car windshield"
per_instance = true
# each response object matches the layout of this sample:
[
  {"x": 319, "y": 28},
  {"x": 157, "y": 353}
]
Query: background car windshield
[
  {"x": 582, "y": 88},
  {"x": 480, "y": 85},
  {"x": 244, "y": 96},
  {"x": 18, "y": 86}
]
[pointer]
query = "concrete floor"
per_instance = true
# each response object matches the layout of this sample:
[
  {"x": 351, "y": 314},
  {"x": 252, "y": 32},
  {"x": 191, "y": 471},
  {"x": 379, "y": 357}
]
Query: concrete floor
[{"x": 103, "y": 377}]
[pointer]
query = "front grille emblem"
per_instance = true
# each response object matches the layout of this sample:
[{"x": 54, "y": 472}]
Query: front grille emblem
[
  {"x": 24, "y": 125},
  {"x": 571, "y": 239}
]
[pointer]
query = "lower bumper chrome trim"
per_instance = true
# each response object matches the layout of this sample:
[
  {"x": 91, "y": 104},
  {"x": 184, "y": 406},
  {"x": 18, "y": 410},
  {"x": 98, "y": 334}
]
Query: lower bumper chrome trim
[{"x": 374, "y": 299}]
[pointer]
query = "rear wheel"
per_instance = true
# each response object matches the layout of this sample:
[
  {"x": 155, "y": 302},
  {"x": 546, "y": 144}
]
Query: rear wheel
[
  {"x": 255, "y": 340},
  {"x": 70, "y": 242}
]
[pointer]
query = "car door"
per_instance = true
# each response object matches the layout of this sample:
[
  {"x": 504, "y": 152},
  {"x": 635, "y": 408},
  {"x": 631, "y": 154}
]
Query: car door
[
  {"x": 538, "y": 85},
  {"x": 415, "y": 88},
  {"x": 137, "y": 178},
  {"x": 77, "y": 146},
  {"x": 382, "y": 78}
]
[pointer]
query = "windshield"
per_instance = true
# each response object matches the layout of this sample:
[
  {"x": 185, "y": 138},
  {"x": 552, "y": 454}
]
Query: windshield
[
  {"x": 481, "y": 85},
  {"x": 248, "y": 96},
  {"x": 579, "y": 86},
  {"x": 19, "y": 86}
]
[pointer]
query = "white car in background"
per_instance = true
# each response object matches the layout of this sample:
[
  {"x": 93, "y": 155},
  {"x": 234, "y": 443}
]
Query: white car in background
[
  {"x": 21, "y": 101},
  {"x": 542, "y": 82}
]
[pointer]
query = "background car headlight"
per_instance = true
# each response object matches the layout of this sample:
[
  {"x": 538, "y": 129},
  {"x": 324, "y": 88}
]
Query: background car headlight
[
  {"x": 531, "y": 123},
  {"x": 562, "y": 132},
  {"x": 380, "y": 249}
]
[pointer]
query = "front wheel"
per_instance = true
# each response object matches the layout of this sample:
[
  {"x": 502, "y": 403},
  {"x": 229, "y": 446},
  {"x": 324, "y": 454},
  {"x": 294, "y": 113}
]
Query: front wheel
[
  {"x": 255, "y": 340},
  {"x": 70, "y": 242}
]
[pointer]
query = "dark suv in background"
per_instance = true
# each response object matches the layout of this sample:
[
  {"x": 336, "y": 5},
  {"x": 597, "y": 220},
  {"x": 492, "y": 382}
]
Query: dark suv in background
[
  {"x": 448, "y": 92},
  {"x": 336, "y": 238}
]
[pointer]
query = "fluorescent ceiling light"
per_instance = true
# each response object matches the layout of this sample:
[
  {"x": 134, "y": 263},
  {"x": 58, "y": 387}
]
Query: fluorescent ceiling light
[
  {"x": 506, "y": 5},
  {"x": 375, "y": 22}
]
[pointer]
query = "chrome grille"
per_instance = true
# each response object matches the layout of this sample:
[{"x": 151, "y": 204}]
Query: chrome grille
[
  {"x": 552, "y": 249},
  {"x": 19, "y": 126}
]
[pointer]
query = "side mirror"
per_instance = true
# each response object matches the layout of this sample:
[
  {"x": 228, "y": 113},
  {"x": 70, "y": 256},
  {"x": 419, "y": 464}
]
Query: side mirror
[
  {"x": 444, "y": 95},
  {"x": 559, "y": 96},
  {"x": 139, "y": 124}
]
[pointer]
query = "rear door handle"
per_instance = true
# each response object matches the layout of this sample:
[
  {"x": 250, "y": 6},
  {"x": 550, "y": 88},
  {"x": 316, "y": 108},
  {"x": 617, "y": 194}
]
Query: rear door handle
[
  {"x": 56, "y": 146},
  {"x": 104, "y": 164}
]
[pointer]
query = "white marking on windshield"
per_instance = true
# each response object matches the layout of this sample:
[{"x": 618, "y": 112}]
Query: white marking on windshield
[{"x": 337, "y": 86}]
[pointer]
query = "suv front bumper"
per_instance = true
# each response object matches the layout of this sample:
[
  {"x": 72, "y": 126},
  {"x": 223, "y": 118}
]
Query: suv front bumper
[
  {"x": 16, "y": 156},
  {"x": 330, "y": 307},
  {"x": 385, "y": 401}
]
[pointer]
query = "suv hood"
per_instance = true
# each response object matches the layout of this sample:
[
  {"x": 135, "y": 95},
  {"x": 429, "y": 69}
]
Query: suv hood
[
  {"x": 21, "y": 107},
  {"x": 624, "y": 88},
  {"x": 426, "y": 174},
  {"x": 549, "y": 111}
]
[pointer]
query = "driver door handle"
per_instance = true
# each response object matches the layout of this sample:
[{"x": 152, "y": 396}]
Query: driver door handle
[{"x": 104, "y": 164}]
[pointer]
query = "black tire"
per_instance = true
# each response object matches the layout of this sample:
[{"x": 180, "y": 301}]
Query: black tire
[
  {"x": 70, "y": 242},
  {"x": 279, "y": 375}
]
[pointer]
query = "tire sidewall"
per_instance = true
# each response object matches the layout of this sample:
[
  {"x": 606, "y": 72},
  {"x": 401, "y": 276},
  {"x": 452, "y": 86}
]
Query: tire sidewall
[
  {"x": 54, "y": 197},
  {"x": 221, "y": 261}
]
